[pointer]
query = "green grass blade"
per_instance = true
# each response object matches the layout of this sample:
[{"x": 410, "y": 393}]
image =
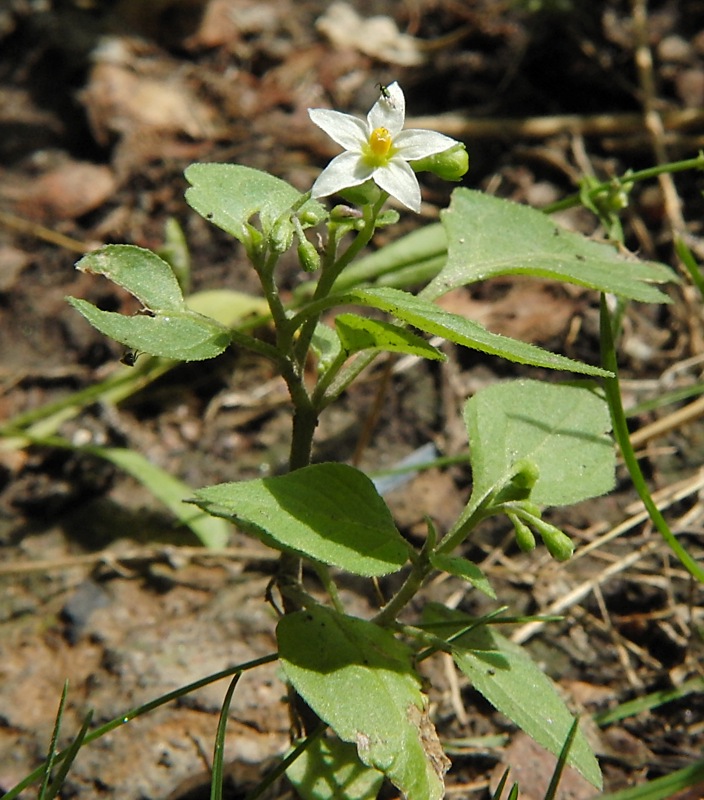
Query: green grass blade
[
  {"x": 649, "y": 701},
  {"x": 51, "y": 756},
  {"x": 281, "y": 768},
  {"x": 34, "y": 776},
  {"x": 690, "y": 264},
  {"x": 561, "y": 761},
  {"x": 70, "y": 757},
  {"x": 500, "y": 788},
  {"x": 667, "y": 786},
  {"x": 620, "y": 428},
  {"x": 219, "y": 752}
]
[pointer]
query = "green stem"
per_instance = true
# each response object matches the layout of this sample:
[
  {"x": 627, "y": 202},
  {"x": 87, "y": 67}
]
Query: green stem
[
  {"x": 613, "y": 396},
  {"x": 331, "y": 271},
  {"x": 420, "y": 569},
  {"x": 642, "y": 175},
  {"x": 405, "y": 594}
]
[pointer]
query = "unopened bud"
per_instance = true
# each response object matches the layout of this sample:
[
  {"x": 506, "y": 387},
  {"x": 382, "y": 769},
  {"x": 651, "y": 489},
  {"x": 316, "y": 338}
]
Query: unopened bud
[
  {"x": 559, "y": 544},
  {"x": 308, "y": 256},
  {"x": 281, "y": 236},
  {"x": 450, "y": 165},
  {"x": 524, "y": 535}
]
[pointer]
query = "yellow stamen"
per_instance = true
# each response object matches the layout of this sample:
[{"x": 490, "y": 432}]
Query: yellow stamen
[{"x": 380, "y": 142}]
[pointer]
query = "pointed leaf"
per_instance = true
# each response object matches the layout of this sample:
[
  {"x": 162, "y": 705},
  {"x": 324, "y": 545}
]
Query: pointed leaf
[
  {"x": 149, "y": 278},
  {"x": 465, "y": 569},
  {"x": 361, "y": 333},
  {"x": 429, "y": 317},
  {"x": 562, "y": 429},
  {"x": 229, "y": 195},
  {"x": 330, "y": 769},
  {"x": 180, "y": 335},
  {"x": 328, "y": 512},
  {"x": 513, "y": 683},
  {"x": 488, "y": 236},
  {"x": 359, "y": 679}
]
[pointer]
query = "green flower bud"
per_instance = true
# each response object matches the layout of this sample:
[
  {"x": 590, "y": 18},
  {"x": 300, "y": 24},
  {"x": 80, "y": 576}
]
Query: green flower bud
[
  {"x": 558, "y": 543},
  {"x": 524, "y": 535},
  {"x": 252, "y": 240},
  {"x": 450, "y": 165},
  {"x": 308, "y": 256},
  {"x": 527, "y": 474},
  {"x": 311, "y": 215},
  {"x": 281, "y": 236},
  {"x": 390, "y": 217},
  {"x": 342, "y": 213}
]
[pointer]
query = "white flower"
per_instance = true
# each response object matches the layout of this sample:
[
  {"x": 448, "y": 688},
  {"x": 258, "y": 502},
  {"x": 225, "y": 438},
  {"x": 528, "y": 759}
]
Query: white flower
[{"x": 378, "y": 149}]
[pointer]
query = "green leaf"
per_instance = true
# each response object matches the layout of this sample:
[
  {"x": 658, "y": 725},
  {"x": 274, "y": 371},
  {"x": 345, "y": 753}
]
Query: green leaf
[
  {"x": 465, "y": 569},
  {"x": 227, "y": 306},
  {"x": 361, "y": 333},
  {"x": 426, "y": 245},
  {"x": 149, "y": 278},
  {"x": 488, "y": 236},
  {"x": 328, "y": 512},
  {"x": 229, "y": 195},
  {"x": 330, "y": 769},
  {"x": 510, "y": 680},
  {"x": 359, "y": 679},
  {"x": 326, "y": 346},
  {"x": 560, "y": 428},
  {"x": 181, "y": 335},
  {"x": 172, "y": 492},
  {"x": 429, "y": 317}
]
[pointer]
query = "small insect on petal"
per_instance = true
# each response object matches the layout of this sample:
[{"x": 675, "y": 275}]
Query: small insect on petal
[{"x": 386, "y": 94}]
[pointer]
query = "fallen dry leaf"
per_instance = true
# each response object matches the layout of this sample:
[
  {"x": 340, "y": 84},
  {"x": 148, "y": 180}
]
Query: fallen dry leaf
[
  {"x": 65, "y": 192},
  {"x": 375, "y": 36}
]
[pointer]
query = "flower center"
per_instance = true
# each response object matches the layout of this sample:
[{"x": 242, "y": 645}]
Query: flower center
[{"x": 380, "y": 142}]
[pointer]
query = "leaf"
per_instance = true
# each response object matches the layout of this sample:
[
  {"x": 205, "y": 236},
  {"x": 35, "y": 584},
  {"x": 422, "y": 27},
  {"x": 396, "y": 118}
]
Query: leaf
[
  {"x": 227, "y": 306},
  {"x": 172, "y": 492},
  {"x": 361, "y": 333},
  {"x": 512, "y": 682},
  {"x": 180, "y": 335},
  {"x": 328, "y": 512},
  {"x": 488, "y": 236},
  {"x": 229, "y": 195},
  {"x": 465, "y": 569},
  {"x": 429, "y": 317},
  {"x": 426, "y": 245},
  {"x": 326, "y": 346},
  {"x": 359, "y": 679},
  {"x": 330, "y": 769},
  {"x": 560, "y": 428},
  {"x": 142, "y": 273}
]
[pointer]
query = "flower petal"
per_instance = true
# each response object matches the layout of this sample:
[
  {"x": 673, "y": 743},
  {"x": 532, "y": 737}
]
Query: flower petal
[
  {"x": 348, "y": 131},
  {"x": 343, "y": 171},
  {"x": 399, "y": 180},
  {"x": 414, "y": 143},
  {"x": 389, "y": 111}
]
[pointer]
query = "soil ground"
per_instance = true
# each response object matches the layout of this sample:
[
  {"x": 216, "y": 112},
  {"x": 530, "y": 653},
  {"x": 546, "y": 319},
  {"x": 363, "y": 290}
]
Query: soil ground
[{"x": 102, "y": 106}]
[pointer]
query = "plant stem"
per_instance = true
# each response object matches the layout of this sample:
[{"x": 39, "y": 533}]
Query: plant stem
[{"x": 642, "y": 175}]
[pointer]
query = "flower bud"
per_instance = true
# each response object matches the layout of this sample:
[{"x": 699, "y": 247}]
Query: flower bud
[
  {"x": 559, "y": 544},
  {"x": 308, "y": 256},
  {"x": 524, "y": 535},
  {"x": 281, "y": 236},
  {"x": 526, "y": 475},
  {"x": 450, "y": 165}
]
